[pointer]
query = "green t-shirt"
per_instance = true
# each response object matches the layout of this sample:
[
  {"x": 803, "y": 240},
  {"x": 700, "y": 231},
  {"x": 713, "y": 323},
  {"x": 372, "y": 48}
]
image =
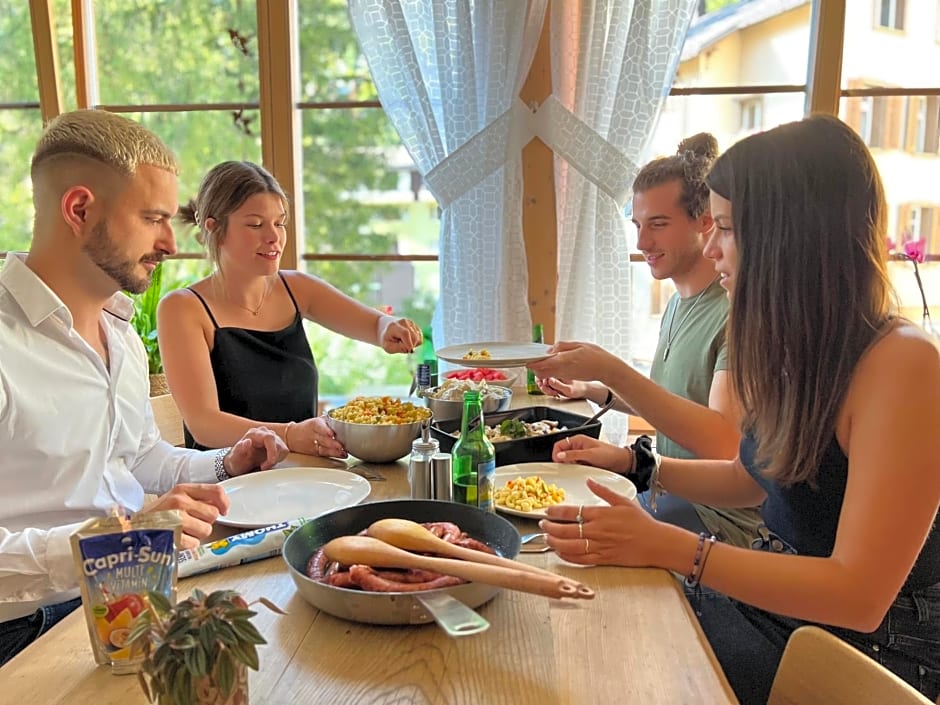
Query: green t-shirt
[{"x": 693, "y": 330}]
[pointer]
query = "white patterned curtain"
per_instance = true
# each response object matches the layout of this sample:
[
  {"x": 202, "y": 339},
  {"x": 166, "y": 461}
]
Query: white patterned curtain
[
  {"x": 448, "y": 73},
  {"x": 613, "y": 63}
]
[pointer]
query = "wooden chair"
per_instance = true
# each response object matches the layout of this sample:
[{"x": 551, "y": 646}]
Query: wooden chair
[
  {"x": 818, "y": 667},
  {"x": 168, "y": 418}
]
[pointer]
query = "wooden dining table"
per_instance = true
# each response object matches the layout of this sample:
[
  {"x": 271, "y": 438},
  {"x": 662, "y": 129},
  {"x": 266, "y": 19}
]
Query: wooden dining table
[{"x": 637, "y": 641}]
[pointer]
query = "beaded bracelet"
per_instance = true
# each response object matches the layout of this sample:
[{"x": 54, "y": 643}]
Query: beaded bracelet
[{"x": 698, "y": 563}]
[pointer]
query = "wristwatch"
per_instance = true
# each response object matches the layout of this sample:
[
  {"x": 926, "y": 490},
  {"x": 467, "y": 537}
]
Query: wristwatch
[{"x": 219, "y": 465}]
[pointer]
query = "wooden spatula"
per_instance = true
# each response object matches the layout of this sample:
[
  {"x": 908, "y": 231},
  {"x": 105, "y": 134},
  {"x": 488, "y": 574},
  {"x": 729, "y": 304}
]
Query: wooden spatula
[{"x": 366, "y": 550}]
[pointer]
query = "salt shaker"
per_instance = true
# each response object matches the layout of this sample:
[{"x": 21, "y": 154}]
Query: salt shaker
[
  {"x": 442, "y": 478},
  {"x": 419, "y": 464}
]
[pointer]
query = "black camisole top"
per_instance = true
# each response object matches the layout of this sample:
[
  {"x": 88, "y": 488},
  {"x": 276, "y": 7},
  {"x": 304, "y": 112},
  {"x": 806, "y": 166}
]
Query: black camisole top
[
  {"x": 268, "y": 376},
  {"x": 807, "y": 517}
]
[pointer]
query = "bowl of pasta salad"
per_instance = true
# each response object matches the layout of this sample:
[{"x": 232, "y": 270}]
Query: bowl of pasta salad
[{"x": 377, "y": 429}]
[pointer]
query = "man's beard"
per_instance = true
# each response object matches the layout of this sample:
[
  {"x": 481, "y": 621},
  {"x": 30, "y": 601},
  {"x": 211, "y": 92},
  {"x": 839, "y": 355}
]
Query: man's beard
[{"x": 104, "y": 253}]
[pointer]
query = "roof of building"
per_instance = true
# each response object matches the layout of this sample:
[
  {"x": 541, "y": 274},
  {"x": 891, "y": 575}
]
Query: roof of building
[{"x": 707, "y": 30}]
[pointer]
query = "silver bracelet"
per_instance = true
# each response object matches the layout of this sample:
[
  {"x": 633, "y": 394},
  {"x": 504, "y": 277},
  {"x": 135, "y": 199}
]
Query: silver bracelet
[{"x": 219, "y": 465}]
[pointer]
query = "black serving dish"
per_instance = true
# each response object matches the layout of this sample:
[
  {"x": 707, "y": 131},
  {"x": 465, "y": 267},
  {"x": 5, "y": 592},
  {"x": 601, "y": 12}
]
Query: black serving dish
[{"x": 522, "y": 450}]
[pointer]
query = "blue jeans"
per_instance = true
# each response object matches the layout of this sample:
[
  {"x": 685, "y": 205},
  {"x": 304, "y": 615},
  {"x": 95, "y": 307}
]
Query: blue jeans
[
  {"x": 749, "y": 642},
  {"x": 17, "y": 634}
]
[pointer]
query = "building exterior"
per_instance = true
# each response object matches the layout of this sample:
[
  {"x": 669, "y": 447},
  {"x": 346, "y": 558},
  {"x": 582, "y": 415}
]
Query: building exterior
[{"x": 888, "y": 43}]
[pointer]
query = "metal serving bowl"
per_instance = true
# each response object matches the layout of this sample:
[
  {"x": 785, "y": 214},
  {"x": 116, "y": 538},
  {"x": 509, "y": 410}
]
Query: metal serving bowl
[
  {"x": 495, "y": 399},
  {"x": 375, "y": 443}
]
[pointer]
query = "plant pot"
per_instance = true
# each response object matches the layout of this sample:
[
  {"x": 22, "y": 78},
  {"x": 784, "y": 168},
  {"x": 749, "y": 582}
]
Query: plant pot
[
  {"x": 207, "y": 692},
  {"x": 158, "y": 385}
]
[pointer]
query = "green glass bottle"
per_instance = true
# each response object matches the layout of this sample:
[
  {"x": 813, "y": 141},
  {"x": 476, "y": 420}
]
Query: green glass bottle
[
  {"x": 474, "y": 464},
  {"x": 538, "y": 336}
]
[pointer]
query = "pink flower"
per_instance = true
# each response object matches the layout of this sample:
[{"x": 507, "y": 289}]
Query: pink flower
[
  {"x": 916, "y": 249},
  {"x": 892, "y": 245}
]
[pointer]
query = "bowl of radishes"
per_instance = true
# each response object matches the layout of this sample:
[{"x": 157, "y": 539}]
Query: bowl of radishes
[{"x": 499, "y": 378}]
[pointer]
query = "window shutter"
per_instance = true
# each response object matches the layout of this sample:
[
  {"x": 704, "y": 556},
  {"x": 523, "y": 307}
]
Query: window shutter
[
  {"x": 894, "y": 122},
  {"x": 932, "y": 140},
  {"x": 852, "y": 108},
  {"x": 903, "y": 226},
  {"x": 910, "y": 134},
  {"x": 899, "y": 14},
  {"x": 933, "y": 242}
]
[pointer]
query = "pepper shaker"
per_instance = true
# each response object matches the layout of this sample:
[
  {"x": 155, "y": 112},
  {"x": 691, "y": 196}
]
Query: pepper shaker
[{"x": 442, "y": 478}]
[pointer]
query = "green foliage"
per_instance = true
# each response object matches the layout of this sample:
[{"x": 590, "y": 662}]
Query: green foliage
[
  {"x": 202, "y": 636},
  {"x": 145, "y": 319},
  {"x": 206, "y": 52}
]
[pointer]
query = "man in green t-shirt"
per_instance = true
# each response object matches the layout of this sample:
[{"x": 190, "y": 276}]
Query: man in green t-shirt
[{"x": 688, "y": 396}]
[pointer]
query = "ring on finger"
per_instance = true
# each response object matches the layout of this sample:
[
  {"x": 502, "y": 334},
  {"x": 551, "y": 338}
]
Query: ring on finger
[
  {"x": 580, "y": 530},
  {"x": 587, "y": 546},
  {"x": 580, "y": 517}
]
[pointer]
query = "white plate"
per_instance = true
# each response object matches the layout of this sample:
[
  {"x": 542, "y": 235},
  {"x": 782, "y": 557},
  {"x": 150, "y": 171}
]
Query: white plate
[
  {"x": 570, "y": 478},
  {"x": 271, "y": 496},
  {"x": 501, "y": 354}
]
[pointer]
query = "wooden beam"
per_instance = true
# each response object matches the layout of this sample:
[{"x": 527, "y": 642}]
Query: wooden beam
[
  {"x": 280, "y": 123},
  {"x": 539, "y": 224},
  {"x": 84, "y": 53},
  {"x": 827, "y": 33},
  {"x": 47, "y": 58}
]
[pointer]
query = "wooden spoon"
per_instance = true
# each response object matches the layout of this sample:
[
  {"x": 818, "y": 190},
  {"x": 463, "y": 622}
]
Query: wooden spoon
[
  {"x": 366, "y": 550},
  {"x": 411, "y": 536}
]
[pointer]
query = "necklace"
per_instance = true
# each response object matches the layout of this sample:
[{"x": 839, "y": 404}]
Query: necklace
[
  {"x": 264, "y": 297},
  {"x": 672, "y": 319}
]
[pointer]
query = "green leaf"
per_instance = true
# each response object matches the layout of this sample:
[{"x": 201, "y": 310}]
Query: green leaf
[
  {"x": 248, "y": 632},
  {"x": 184, "y": 643},
  {"x": 225, "y": 673},
  {"x": 247, "y": 654},
  {"x": 159, "y": 601},
  {"x": 145, "y": 686}
]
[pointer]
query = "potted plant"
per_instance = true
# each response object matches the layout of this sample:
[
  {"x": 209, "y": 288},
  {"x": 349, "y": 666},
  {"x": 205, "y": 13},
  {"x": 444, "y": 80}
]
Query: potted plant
[
  {"x": 145, "y": 323},
  {"x": 198, "y": 651}
]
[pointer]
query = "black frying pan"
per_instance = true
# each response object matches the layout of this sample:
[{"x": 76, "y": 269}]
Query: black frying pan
[{"x": 392, "y": 607}]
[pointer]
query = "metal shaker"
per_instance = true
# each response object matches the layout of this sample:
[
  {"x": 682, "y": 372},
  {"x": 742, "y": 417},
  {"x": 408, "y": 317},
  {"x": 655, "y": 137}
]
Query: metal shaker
[
  {"x": 419, "y": 464},
  {"x": 442, "y": 478}
]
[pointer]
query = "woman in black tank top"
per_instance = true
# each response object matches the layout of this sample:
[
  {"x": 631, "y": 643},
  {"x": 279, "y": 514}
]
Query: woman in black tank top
[
  {"x": 841, "y": 419},
  {"x": 233, "y": 345}
]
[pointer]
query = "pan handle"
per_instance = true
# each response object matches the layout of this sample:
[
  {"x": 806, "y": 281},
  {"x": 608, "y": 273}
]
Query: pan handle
[{"x": 452, "y": 615}]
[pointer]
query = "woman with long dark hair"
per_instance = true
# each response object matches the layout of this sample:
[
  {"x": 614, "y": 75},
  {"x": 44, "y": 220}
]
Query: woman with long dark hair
[{"x": 841, "y": 427}]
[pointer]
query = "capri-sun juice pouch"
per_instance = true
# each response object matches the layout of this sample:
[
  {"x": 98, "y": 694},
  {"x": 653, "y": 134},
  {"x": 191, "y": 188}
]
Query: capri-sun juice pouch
[{"x": 119, "y": 559}]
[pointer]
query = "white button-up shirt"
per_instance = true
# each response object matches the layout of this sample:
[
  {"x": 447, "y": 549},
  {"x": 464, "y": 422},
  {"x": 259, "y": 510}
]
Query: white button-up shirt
[{"x": 76, "y": 437}]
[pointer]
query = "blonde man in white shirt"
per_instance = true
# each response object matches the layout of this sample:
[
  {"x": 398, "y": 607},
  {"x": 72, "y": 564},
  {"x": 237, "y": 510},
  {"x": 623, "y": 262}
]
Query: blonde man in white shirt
[{"x": 76, "y": 428}]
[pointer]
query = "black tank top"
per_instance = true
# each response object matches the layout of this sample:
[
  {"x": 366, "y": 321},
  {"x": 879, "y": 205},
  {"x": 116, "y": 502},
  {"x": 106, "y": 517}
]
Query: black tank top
[
  {"x": 263, "y": 375},
  {"x": 807, "y": 518}
]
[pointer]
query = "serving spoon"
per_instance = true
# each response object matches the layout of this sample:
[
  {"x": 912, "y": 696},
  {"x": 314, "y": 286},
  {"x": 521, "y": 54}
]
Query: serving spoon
[
  {"x": 411, "y": 536},
  {"x": 366, "y": 550}
]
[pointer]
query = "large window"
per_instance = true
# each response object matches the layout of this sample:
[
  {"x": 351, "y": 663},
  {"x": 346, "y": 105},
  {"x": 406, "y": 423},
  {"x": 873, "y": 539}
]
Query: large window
[
  {"x": 194, "y": 72},
  {"x": 891, "y": 97},
  {"x": 743, "y": 69}
]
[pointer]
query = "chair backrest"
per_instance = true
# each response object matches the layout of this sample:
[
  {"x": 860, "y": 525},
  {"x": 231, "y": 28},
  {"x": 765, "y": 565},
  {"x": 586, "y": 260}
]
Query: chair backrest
[
  {"x": 818, "y": 667},
  {"x": 168, "y": 418}
]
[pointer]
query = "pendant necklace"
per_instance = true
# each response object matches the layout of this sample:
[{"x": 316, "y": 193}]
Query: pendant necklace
[
  {"x": 672, "y": 319},
  {"x": 264, "y": 297}
]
